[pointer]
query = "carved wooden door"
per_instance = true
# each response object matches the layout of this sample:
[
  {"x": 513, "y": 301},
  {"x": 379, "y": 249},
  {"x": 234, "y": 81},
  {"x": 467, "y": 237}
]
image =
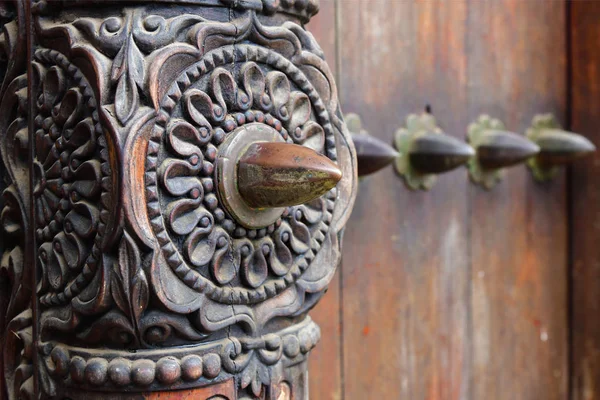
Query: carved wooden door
[
  {"x": 178, "y": 175},
  {"x": 459, "y": 292}
]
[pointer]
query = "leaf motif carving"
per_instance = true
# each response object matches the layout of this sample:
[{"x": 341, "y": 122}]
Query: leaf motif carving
[
  {"x": 200, "y": 107},
  {"x": 129, "y": 285},
  {"x": 113, "y": 327},
  {"x": 299, "y": 107},
  {"x": 157, "y": 327},
  {"x": 128, "y": 72},
  {"x": 225, "y": 262},
  {"x": 255, "y": 376}
]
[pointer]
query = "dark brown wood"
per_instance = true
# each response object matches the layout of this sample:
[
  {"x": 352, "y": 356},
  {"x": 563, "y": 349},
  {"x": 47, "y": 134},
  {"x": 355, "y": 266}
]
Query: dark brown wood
[
  {"x": 124, "y": 274},
  {"x": 225, "y": 390},
  {"x": 585, "y": 203},
  {"x": 142, "y": 276}
]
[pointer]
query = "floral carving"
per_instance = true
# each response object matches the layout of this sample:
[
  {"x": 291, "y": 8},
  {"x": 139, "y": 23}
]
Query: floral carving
[
  {"x": 135, "y": 246},
  {"x": 304, "y": 9},
  {"x": 129, "y": 285},
  {"x": 128, "y": 72},
  {"x": 67, "y": 172},
  {"x": 232, "y": 256}
]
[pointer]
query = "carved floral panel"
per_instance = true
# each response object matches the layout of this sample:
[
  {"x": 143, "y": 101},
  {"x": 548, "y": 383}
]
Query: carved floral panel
[{"x": 116, "y": 234}]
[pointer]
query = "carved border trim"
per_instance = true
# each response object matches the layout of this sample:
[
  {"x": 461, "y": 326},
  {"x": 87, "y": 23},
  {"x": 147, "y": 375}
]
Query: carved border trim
[
  {"x": 176, "y": 368},
  {"x": 302, "y": 9}
]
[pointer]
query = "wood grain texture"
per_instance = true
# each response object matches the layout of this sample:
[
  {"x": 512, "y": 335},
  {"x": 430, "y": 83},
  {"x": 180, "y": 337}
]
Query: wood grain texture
[
  {"x": 519, "y": 229},
  {"x": 405, "y": 271},
  {"x": 585, "y": 203},
  {"x": 221, "y": 391},
  {"x": 325, "y": 374},
  {"x": 456, "y": 293}
]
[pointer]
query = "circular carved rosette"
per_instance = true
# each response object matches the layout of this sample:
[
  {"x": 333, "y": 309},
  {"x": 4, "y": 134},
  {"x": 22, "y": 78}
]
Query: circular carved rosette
[
  {"x": 70, "y": 174},
  {"x": 233, "y": 97}
]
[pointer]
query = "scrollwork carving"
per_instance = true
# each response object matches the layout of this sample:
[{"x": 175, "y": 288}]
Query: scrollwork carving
[
  {"x": 147, "y": 278},
  {"x": 302, "y": 9},
  {"x": 266, "y": 260},
  {"x": 16, "y": 273}
]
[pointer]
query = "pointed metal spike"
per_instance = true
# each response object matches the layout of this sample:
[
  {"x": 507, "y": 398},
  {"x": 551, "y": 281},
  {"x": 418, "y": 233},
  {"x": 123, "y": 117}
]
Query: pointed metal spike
[
  {"x": 558, "y": 147},
  {"x": 372, "y": 154},
  {"x": 499, "y": 149},
  {"x": 434, "y": 153},
  {"x": 276, "y": 174}
]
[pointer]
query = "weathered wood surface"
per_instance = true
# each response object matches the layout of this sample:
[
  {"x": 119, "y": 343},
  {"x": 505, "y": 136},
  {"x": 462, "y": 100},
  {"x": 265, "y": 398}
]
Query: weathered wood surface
[
  {"x": 519, "y": 229},
  {"x": 457, "y": 293},
  {"x": 131, "y": 266},
  {"x": 405, "y": 272},
  {"x": 585, "y": 203},
  {"x": 325, "y": 360}
]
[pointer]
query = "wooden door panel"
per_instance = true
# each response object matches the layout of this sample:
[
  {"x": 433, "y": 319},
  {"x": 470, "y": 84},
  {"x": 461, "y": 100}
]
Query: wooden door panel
[
  {"x": 457, "y": 293},
  {"x": 405, "y": 269},
  {"x": 517, "y": 68},
  {"x": 585, "y": 202},
  {"x": 325, "y": 361}
]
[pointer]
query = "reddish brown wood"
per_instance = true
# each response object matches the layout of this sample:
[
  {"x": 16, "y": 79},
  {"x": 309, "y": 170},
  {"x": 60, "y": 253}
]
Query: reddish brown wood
[
  {"x": 325, "y": 360},
  {"x": 221, "y": 391},
  {"x": 456, "y": 293},
  {"x": 585, "y": 203},
  {"x": 405, "y": 272},
  {"x": 519, "y": 229}
]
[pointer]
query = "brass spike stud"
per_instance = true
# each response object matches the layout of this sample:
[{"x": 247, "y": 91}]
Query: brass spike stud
[
  {"x": 283, "y": 174},
  {"x": 259, "y": 175},
  {"x": 372, "y": 153},
  {"x": 557, "y": 147},
  {"x": 496, "y": 150},
  {"x": 426, "y": 151}
]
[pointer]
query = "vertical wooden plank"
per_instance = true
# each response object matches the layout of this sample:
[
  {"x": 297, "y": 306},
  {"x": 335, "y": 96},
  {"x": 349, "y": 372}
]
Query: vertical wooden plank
[
  {"x": 323, "y": 26},
  {"x": 325, "y": 360},
  {"x": 585, "y": 202},
  {"x": 517, "y": 68},
  {"x": 405, "y": 272}
]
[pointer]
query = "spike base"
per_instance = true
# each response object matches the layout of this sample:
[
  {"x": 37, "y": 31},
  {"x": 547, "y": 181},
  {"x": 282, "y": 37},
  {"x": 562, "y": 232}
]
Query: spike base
[
  {"x": 479, "y": 174},
  {"x": 227, "y": 176}
]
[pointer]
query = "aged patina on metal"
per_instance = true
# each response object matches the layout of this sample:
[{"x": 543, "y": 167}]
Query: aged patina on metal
[
  {"x": 496, "y": 149},
  {"x": 426, "y": 151},
  {"x": 178, "y": 174},
  {"x": 557, "y": 146},
  {"x": 372, "y": 153}
]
